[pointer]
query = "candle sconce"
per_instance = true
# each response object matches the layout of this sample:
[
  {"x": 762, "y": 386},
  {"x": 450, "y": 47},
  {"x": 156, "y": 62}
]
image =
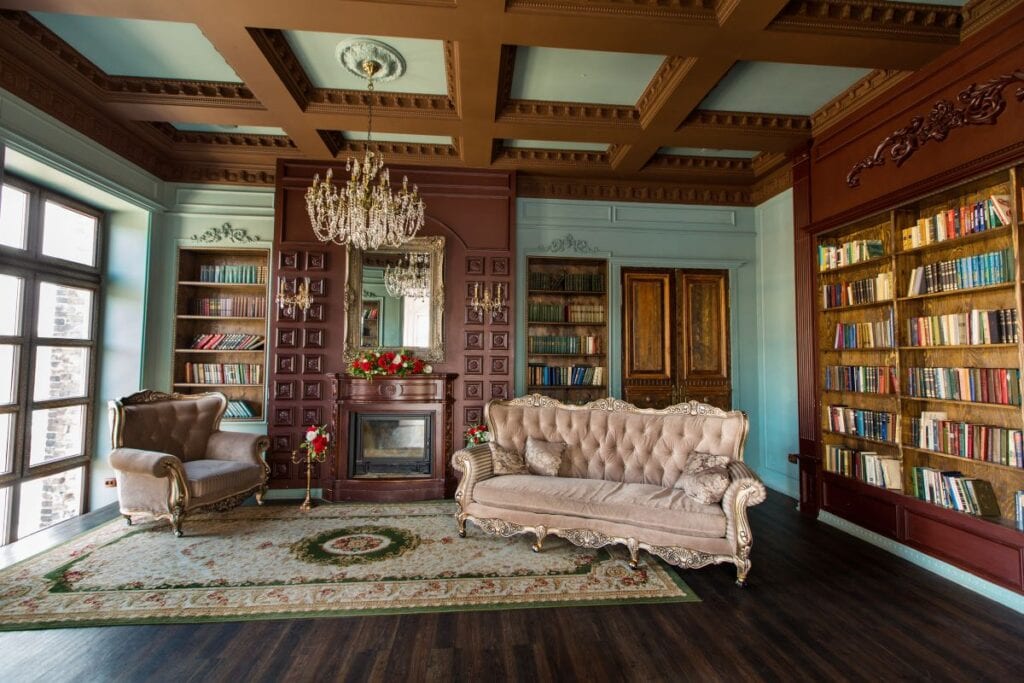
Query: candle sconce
[
  {"x": 487, "y": 304},
  {"x": 301, "y": 299}
]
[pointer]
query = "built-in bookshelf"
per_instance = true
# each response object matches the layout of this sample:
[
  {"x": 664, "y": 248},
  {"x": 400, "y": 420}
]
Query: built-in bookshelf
[
  {"x": 567, "y": 328},
  {"x": 220, "y": 331},
  {"x": 920, "y": 352}
]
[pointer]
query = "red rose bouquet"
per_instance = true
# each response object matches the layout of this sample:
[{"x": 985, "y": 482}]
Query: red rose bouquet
[
  {"x": 477, "y": 434},
  {"x": 316, "y": 443},
  {"x": 385, "y": 364}
]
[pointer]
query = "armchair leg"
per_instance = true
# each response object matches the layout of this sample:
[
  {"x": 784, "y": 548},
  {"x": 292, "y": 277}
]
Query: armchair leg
[
  {"x": 127, "y": 520},
  {"x": 460, "y": 519},
  {"x": 260, "y": 494},
  {"x": 176, "y": 521}
]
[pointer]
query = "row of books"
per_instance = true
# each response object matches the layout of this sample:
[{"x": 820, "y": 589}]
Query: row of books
[
  {"x": 233, "y": 274},
  {"x": 985, "y": 214},
  {"x": 235, "y": 341},
  {"x": 846, "y": 254},
  {"x": 973, "y": 327},
  {"x": 866, "y": 291},
  {"x": 867, "y": 335},
  {"x": 229, "y": 306},
  {"x": 563, "y": 344},
  {"x": 223, "y": 373},
  {"x": 951, "y": 489},
  {"x": 592, "y": 283},
  {"x": 870, "y": 424},
  {"x": 239, "y": 410},
  {"x": 981, "y": 270},
  {"x": 577, "y": 375},
  {"x": 981, "y": 385},
  {"x": 867, "y": 466},
  {"x": 565, "y": 313},
  {"x": 864, "y": 379},
  {"x": 935, "y": 432}
]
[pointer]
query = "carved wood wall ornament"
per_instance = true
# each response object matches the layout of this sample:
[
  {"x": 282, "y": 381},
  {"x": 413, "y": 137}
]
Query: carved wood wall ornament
[
  {"x": 225, "y": 233},
  {"x": 981, "y": 105}
]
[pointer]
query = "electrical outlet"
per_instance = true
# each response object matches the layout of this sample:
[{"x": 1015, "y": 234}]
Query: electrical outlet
[{"x": 110, "y": 483}]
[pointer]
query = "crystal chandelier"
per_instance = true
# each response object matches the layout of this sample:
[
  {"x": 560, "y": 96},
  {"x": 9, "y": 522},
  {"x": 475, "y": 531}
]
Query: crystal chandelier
[
  {"x": 365, "y": 213},
  {"x": 411, "y": 279}
]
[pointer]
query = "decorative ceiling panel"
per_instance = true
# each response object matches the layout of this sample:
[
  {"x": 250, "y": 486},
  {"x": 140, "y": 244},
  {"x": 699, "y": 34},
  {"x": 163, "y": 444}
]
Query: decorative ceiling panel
[
  {"x": 557, "y": 75},
  {"x": 706, "y": 152},
  {"x": 386, "y": 136},
  {"x": 771, "y": 87},
  {"x": 228, "y": 128},
  {"x": 142, "y": 48},
  {"x": 557, "y": 144}
]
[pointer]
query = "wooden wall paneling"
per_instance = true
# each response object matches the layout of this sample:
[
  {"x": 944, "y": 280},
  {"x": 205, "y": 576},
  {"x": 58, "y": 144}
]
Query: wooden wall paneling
[{"x": 475, "y": 212}]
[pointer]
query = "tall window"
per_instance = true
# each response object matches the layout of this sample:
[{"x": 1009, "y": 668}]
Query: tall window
[{"x": 49, "y": 297}]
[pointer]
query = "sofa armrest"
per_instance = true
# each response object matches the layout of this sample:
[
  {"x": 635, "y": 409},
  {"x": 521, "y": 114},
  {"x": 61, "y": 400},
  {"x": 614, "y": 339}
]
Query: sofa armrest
[
  {"x": 238, "y": 446},
  {"x": 138, "y": 461},
  {"x": 745, "y": 489},
  {"x": 474, "y": 463}
]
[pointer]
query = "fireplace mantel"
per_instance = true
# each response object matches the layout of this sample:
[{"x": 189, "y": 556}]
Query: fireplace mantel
[{"x": 359, "y": 401}]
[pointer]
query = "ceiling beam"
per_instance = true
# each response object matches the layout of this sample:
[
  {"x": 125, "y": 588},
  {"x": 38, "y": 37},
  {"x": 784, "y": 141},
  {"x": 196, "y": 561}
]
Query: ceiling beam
[{"x": 477, "y": 74}]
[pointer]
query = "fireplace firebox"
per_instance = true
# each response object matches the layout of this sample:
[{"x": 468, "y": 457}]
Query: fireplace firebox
[{"x": 396, "y": 445}]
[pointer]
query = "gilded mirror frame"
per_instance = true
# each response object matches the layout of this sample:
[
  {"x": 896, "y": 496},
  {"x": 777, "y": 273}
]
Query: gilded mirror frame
[{"x": 434, "y": 247}]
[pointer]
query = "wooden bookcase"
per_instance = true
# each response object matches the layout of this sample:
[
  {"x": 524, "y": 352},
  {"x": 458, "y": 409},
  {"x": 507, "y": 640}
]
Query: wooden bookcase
[
  {"x": 567, "y": 328},
  {"x": 223, "y": 292},
  {"x": 910, "y": 339}
]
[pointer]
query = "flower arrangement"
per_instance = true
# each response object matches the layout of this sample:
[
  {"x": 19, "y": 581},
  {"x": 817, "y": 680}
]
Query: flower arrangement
[
  {"x": 477, "y": 434},
  {"x": 385, "y": 363},
  {"x": 316, "y": 442}
]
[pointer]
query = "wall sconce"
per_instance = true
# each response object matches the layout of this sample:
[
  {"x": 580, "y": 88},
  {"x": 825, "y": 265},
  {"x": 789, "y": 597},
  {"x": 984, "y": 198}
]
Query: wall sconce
[
  {"x": 289, "y": 302},
  {"x": 486, "y": 303}
]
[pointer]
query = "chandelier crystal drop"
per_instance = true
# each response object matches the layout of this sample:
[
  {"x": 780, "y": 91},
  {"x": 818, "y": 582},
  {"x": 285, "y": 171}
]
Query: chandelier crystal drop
[
  {"x": 366, "y": 213},
  {"x": 411, "y": 279}
]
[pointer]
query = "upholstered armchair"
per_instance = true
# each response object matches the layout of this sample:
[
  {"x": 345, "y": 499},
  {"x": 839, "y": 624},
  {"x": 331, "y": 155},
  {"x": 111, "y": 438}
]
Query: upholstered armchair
[{"x": 171, "y": 458}]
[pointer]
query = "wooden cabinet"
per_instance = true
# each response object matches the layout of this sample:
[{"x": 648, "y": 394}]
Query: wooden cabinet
[
  {"x": 221, "y": 326},
  {"x": 567, "y": 328},
  {"x": 675, "y": 337},
  {"x": 918, "y": 373}
]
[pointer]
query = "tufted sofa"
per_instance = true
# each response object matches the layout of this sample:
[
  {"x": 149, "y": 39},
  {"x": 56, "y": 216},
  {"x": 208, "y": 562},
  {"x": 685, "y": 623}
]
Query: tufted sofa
[{"x": 618, "y": 481}]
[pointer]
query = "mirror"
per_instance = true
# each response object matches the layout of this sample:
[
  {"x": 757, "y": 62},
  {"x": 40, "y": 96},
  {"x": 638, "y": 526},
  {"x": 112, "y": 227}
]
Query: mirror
[{"x": 411, "y": 317}]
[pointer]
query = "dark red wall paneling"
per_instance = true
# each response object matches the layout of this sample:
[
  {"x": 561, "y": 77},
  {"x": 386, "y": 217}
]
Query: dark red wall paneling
[{"x": 475, "y": 212}]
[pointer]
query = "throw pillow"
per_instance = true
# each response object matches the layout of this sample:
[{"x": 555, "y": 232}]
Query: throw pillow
[
  {"x": 705, "y": 477},
  {"x": 543, "y": 457},
  {"x": 506, "y": 461}
]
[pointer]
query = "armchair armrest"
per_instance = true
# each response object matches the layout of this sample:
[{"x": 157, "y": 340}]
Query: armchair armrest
[
  {"x": 238, "y": 446},
  {"x": 745, "y": 489},
  {"x": 138, "y": 461},
  {"x": 474, "y": 463}
]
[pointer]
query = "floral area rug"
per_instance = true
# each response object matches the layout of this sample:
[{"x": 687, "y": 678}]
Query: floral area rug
[{"x": 277, "y": 562}]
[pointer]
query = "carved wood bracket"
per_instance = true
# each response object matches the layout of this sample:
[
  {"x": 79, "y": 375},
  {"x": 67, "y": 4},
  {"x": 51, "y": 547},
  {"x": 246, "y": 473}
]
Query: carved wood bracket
[{"x": 981, "y": 105}]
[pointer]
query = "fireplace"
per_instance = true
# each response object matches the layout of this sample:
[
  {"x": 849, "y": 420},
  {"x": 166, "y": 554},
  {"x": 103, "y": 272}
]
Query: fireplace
[
  {"x": 395, "y": 438},
  {"x": 390, "y": 445}
]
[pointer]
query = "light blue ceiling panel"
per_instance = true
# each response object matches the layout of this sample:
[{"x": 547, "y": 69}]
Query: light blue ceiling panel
[
  {"x": 558, "y": 144},
  {"x": 774, "y": 88},
  {"x": 947, "y": 3},
  {"x": 381, "y": 136},
  {"x": 424, "y": 63},
  {"x": 704, "y": 152},
  {"x": 222, "y": 128},
  {"x": 142, "y": 48},
  {"x": 554, "y": 74}
]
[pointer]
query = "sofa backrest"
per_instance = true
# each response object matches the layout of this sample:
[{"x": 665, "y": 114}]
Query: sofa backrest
[
  {"x": 167, "y": 423},
  {"x": 615, "y": 440}
]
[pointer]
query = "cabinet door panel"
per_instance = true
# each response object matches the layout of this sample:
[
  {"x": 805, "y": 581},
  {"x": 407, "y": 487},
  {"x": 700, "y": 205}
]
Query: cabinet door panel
[{"x": 647, "y": 319}]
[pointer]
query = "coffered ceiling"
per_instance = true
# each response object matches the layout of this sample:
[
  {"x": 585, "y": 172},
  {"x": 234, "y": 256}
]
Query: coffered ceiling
[{"x": 656, "y": 100}]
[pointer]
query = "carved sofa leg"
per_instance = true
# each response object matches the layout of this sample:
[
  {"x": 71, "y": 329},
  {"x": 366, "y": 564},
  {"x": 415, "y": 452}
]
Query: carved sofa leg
[
  {"x": 742, "y": 569},
  {"x": 634, "y": 553},
  {"x": 176, "y": 515},
  {"x": 127, "y": 520},
  {"x": 460, "y": 519},
  {"x": 542, "y": 533}
]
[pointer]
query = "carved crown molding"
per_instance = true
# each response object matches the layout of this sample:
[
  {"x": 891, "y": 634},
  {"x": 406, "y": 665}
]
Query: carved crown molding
[
  {"x": 670, "y": 162},
  {"x": 226, "y": 138},
  {"x": 691, "y": 11},
  {"x": 225, "y": 233},
  {"x": 515, "y": 155},
  {"x": 857, "y": 95},
  {"x": 782, "y": 123},
  {"x": 981, "y": 105},
  {"x": 666, "y": 80},
  {"x": 779, "y": 180},
  {"x": 337, "y": 143},
  {"x": 226, "y": 174},
  {"x": 933, "y": 23},
  {"x": 282, "y": 60},
  {"x": 980, "y": 13},
  {"x": 571, "y": 113},
  {"x": 124, "y": 88},
  {"x": 506, "y": 70},
  {"x": 613, "y": 189}
]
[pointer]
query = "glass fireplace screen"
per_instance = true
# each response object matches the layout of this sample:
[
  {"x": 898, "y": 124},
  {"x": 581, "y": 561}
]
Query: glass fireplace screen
[{"x": 396, "y": 445}]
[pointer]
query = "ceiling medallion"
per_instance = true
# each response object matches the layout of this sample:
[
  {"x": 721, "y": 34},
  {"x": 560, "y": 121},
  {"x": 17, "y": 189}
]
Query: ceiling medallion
[{"x": 366, "y": 213}]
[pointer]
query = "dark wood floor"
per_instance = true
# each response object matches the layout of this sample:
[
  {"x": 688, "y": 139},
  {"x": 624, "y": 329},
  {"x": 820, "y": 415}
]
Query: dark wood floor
[{"x": 821, "y": 606}]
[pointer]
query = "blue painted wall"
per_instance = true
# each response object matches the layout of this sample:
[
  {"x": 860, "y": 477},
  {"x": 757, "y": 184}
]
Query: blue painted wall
[{"x": 682, "y": 236}]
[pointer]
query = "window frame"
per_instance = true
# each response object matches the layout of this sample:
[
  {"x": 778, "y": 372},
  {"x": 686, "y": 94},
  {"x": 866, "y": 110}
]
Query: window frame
[{"x": 34, "y": 268}]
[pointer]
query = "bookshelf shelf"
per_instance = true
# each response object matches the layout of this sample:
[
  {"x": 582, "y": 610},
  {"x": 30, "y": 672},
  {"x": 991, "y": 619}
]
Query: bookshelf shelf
[
  {"x": 212, "y": 279},
  {"x": 560, "y": 352},
  {"x": 992, "y": 308}
]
